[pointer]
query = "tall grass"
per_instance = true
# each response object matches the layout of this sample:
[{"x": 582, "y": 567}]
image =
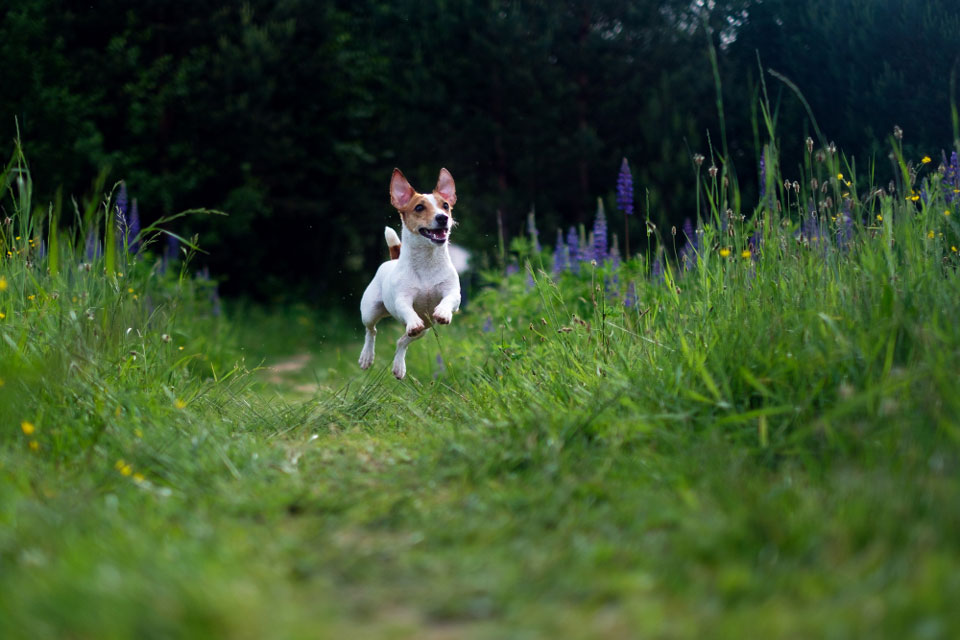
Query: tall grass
[{"x": 763, "y": 442}]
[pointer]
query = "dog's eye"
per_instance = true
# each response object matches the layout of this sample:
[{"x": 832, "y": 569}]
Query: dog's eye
[
  {"x": 419, "y": 207},
  {"x": 446, "y": 206}
]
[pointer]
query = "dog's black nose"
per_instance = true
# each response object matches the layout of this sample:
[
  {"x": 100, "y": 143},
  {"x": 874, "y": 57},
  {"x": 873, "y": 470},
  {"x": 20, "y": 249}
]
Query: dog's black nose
[{"x": 441, "y": 219}]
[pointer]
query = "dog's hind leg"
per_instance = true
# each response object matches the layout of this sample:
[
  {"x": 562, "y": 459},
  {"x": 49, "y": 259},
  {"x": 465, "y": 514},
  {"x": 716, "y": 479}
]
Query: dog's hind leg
[
  {"x": 400, "y": 359},
  {"x": 371, "y": 316}
]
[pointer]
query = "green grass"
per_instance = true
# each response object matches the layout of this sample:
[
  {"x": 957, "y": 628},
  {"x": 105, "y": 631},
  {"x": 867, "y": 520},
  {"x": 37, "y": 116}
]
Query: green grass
[{"x": 759, "y": 448}]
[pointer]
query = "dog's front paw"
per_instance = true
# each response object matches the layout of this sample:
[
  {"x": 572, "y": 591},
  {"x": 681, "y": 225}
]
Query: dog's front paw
[
  {"x": 414, "y": 330},
  {"x": 399, "y": 369},
  {"x": 442, "y": 316}
]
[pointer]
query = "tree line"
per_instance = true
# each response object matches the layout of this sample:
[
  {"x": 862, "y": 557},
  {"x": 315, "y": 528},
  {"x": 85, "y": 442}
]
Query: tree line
[{"x": 290, "y": 114}]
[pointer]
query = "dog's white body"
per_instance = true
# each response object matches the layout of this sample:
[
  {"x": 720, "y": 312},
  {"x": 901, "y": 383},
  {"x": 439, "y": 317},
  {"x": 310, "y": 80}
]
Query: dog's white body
[{"x": 421, "y": 286}]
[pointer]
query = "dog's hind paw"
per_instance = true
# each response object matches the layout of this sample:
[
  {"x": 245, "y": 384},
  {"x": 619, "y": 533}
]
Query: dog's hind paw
[
  {"x": 366, "y": 359},
  {"x": 442, "y": 316}
]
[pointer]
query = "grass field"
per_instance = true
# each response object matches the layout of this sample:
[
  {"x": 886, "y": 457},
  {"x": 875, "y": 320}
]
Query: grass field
[{"x": 764, "y": 444}]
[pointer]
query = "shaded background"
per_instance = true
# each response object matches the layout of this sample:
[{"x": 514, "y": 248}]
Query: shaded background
[{"x": 290, "y": 114}]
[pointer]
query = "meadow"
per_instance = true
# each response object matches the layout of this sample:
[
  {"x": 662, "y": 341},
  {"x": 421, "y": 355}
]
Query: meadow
[{"x": 748, "y": 429}]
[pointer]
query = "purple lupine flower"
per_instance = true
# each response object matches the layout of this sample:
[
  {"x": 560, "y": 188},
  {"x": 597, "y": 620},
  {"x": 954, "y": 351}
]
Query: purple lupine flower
[
  {"x": 630, "y": 299},
  {"x": 487, "y": 325},
  {"x": 600, "y": 234},
  {"x": 573, "y": 250},
  {"x": 560, "y": 255},
  {"x": 625, "y": 189},
  {"x": 170, "y": 253},
  {"x": 688, "y": 232},
  {"x": 611, "y": 285},
  {"x": 123, "y": 203},
  {"x": 534, "y": 234},
  {"x": 215, "y": 300},
  {"x": 951, "y": 178},
  {"x": 811, "y": 227},
  {"x": 690, "y": 252},
  {"x": 441, "y": 368},
  {"x": 133, "y": 228},
  {"x": 845, "y": 226},
  {"x": 93, "y": 247},
  {"x": 656, "y": 269},
  {"x": 512, "y": 268},
  {"x": 755, "y": 244},
  {"x": 172, "y": 250},
  {"x": 763, "y": 176}
]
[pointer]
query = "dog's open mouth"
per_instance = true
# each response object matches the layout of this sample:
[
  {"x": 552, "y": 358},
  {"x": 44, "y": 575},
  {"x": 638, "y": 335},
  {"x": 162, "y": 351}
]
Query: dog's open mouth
[{"x": 437, "y": 236}]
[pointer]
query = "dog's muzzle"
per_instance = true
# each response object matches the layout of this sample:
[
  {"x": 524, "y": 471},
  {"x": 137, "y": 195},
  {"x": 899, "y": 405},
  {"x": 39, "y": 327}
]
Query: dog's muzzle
[{"x": 437, "y": 236}]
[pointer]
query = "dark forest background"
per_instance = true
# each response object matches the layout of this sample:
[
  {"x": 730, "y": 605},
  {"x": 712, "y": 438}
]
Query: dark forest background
[{"x": 290, "y": 114}]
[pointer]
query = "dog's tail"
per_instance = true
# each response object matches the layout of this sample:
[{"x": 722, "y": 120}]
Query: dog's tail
[{"x": 393, "y": 242}]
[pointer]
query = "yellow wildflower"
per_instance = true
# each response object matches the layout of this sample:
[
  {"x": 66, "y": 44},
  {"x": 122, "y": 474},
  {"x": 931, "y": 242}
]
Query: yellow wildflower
[
  {"x": 126, "y": 470},
  {"x": 953, "y": 248},
  {"x": 879, "y": 217},
  {"x": 27, "y": 428},
  {"x": 130, "y": 290},
  {"x": 138, "y": 477},
  {"x": 31, "y": 297},
  {"x": 179, "y": 404},
  {"x": 724, "y": 252},
  {"x": 947, "y": 212},
  {"x": 119, "y": 464},
  {"x": 914, "y": 198},
  {"x": 927, "y": 160},
  {"x": 34, "y": 445},
  {"x": 931, "y": 234},
  {"x": 2, "y": 315},
  {"x": 745, "y": 253},
  {"x": 839, "y": 176},
  {"x": 3, "y": 283}
]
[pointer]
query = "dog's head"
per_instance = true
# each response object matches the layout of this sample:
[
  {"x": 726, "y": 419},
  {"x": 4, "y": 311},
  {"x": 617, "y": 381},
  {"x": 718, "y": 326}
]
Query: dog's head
[{"x": 426, "y": 215}]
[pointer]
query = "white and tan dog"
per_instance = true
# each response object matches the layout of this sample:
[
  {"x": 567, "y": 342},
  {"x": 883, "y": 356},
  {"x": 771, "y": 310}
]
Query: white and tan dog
[{"x": 419, "y": 285}]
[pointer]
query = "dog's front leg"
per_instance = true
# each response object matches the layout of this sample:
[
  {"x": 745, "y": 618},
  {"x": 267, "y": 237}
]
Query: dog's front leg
[
  {"x": 443, "y": 313},
  {"x": 410, "y": 318}
]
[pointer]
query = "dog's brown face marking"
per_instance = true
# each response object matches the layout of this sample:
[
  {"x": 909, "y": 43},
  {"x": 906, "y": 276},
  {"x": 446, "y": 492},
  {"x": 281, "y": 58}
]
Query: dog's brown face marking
[{"x": 418, "y": 211}]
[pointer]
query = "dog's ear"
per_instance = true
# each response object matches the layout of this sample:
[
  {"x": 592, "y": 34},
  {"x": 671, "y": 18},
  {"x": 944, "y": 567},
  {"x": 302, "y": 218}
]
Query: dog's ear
[
  {"x": 446, "y": 188},
  {"x": 400, "y": 190}
]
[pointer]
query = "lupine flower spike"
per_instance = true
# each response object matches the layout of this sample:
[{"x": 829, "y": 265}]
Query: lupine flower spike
[
  {"x": 630, "y": 299},
  {"x": 625, "y": 200},
  {"x": 532, "y": 228},
  {"x": 951, "y": 178},
  {"x": 560, "y": 255},
  {"x": 133, "y": 228},
  {"x": 600, "y": 234},
  {"x": 573, "y": 250}
]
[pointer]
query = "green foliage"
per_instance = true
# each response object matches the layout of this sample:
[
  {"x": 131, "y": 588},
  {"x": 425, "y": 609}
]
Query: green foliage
[
  {"x": 290, "y": 115},
  {"x": 765, "y": 443}
]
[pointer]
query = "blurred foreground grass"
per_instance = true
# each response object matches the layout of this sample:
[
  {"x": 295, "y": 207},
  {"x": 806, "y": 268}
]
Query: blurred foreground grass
[{"x": 764, "y": 445}]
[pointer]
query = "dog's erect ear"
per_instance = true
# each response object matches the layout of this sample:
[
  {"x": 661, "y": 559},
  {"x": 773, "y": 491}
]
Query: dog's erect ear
[
  {"x": 446, "y": 188},
  {"x": 400, "y": 190}
]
